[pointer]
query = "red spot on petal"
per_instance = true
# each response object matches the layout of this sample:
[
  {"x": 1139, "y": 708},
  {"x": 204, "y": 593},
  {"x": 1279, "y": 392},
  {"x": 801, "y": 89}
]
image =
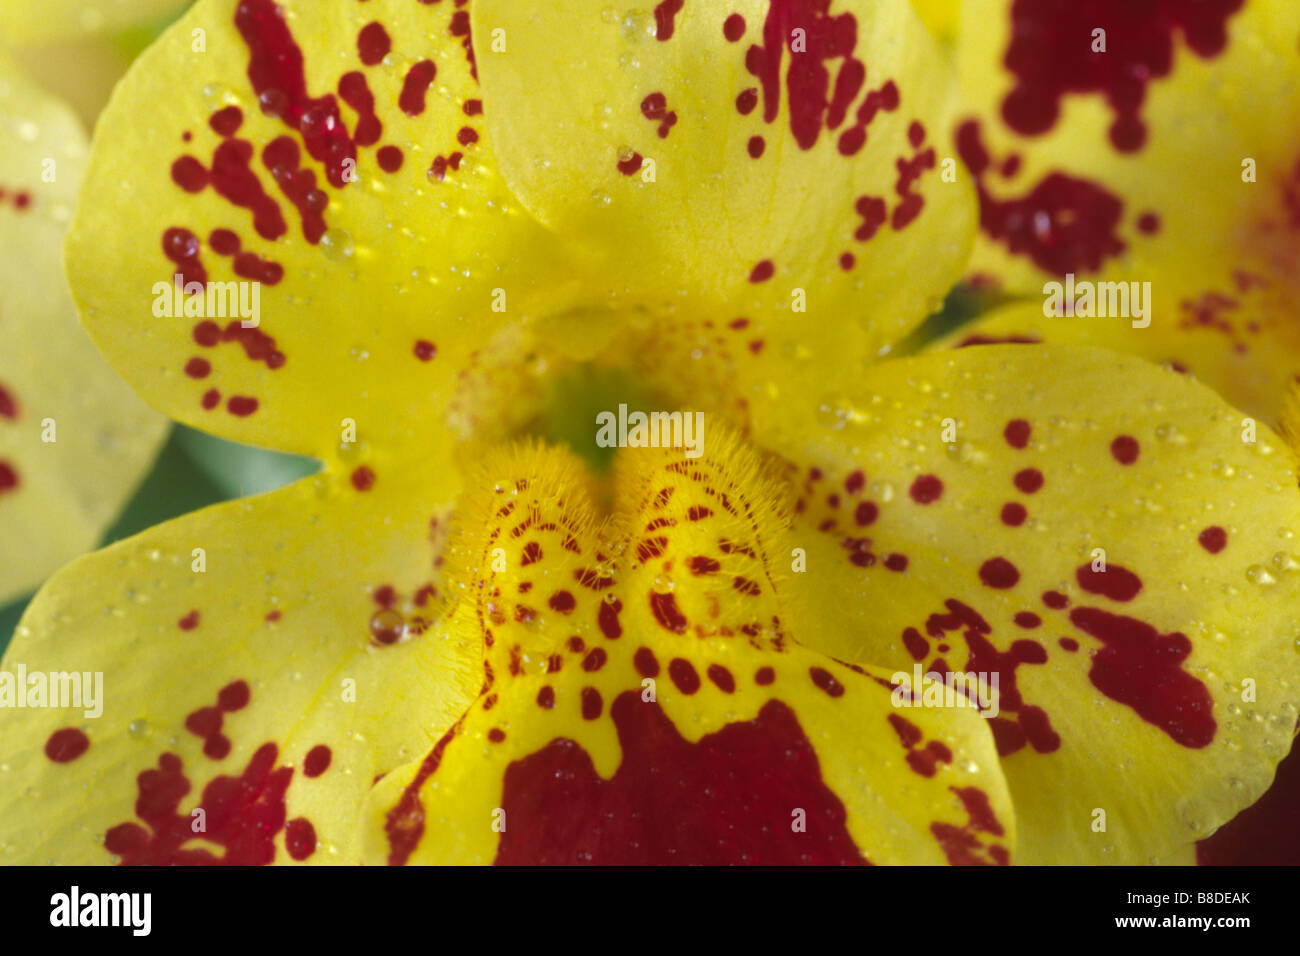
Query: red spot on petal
[
  {"x": 373, "y": 43},
  {"x": 66, "y": 745},
  {"x": 363, "y": 478},
  {"x": 999, "y": 573},
  {"x": 317, "y": 761},
  {"x": 1125, "y": 449},
  {"x": 1213, "y": 539},
  {"x": 926, "y": 489},
  {"x": 1116, "y": 583},
  {"x": 1017, "y": 433}
]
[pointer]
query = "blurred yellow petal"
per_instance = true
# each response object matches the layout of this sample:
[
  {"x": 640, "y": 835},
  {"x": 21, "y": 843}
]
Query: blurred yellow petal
[
  {"x": 1146, "y": 144},
  {"x": 646, "y": 701},
  {"x": 1094, "y": 531},
  {"x": 38, "y": 21},
  {"x": 243, "y": 668},
  {"x": 734, "y": 159},
  {"x": 365, "y": 216},
  {"x": 74, "y": 440}
]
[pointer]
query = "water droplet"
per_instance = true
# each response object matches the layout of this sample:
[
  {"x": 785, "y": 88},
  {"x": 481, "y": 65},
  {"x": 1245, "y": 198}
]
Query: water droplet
[
  {"x": 1258, "y": 574},
  {"x": 337, "y": 244},
  {"x": 138, "y": 728},
  {"x": 387, "y": 626}
]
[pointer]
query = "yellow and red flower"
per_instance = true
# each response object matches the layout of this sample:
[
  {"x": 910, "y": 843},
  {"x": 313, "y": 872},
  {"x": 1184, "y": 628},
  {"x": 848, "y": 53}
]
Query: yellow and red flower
[{"x": 474, "y": 224}]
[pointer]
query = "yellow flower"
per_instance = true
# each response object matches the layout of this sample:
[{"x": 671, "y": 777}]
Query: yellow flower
[
  {"x": 74, "y": 439},
  {"x": 1146, "y": 149},
  {"x": 472, "y": 223}
]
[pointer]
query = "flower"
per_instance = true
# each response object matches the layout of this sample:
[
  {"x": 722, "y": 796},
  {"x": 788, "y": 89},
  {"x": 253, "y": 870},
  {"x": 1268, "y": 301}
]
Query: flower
[
  {"x": 1132, "y": 144},
  {"x": 458, "y": 644},
  {"x": 74, "y": 439}
]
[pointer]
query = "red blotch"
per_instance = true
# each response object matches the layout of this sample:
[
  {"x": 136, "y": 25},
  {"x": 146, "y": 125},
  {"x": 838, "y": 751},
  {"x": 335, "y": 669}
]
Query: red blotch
[
  {"x": 916, "y": 645},
  {"x": 189, "y": 174},
  {"x": 873, "y": 211},
  {"x": 243, "y": 816},
  {"x": 999, "y": 573},
  {"x": 275, "y": 69},
  {"x": 363, "y": 478},
  {"x": 373, "y": 43},
  {"x": 182, "y": 247},
  {"x": 1028, "y": 480},
  {"x": 628, "y": 165},
  {"x": 563, "y": 601},
  {"x": 763, "y": 271},
  {"x": 926, "y": 489},
  {"x": 674, "y": 802},
  {"x": 425, "y": 350},
  {"x": 683, "y": 674},
  {"x": 300, "y": 838},
  {"x": 1028, "y": 620},
  {"x": 189, "y": 622},
  {"x": 1148, "y": 223},
  {"x": 198, "y": 367},
  {"x": 1055, "y": 599},
  {"x": 66, "y": 745},
  {"x": 896, "y": 562},
  {"x": 1051, "y": 56},
  {"x": 546, "y": 697},
  {"x": 1139, "y": 667},
  {"x": 226, "y": 122},
  {"x": 1064, "y": 224},
  {"x": 647, "y": 665},
  {"x": 1213, "y": 539},
  {"x": 224, "y": 242},
  {"x": 756, "y": 146},
  {"x": 1116, "y": 583},
  {"x": 825, "y": 681},
  {"x": 317, "y": 761},
  {"x": 666, "y": 612},
  {"x": 812, "y": 100},
  {"x": 1125, "y": 449},
  {"x": 211, "y": 399},
  {"x": 415, "y": 86},
  {"x": 1013, "y": 514},
  {"x": 607, "y": 618},
  {"x": 1017, "y": 433},
  {"x": 241, "y": 405},
  {"x": 389, "y": 158},
  {"x": 592, "y": 703},
  {"x": 865, "y": 513},
  {"x": 733, "y": 28},
  {"x": 664, "y": 14}
]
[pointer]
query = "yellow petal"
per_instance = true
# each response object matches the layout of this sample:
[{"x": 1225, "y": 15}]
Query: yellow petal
[
  {"x": 74, "y": 440},
  {"x": 1187, "y": 339},
  {"x": 668, "y": 146},
  {"x": 37, "y": 21},
  {"x": 646, "y": 699},
  {"x": 237, "y": 643},
  {"x": 1181, "y": 178},
  {"x": 371, "y": 294},
  {"x": 969, "y": 500}
]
